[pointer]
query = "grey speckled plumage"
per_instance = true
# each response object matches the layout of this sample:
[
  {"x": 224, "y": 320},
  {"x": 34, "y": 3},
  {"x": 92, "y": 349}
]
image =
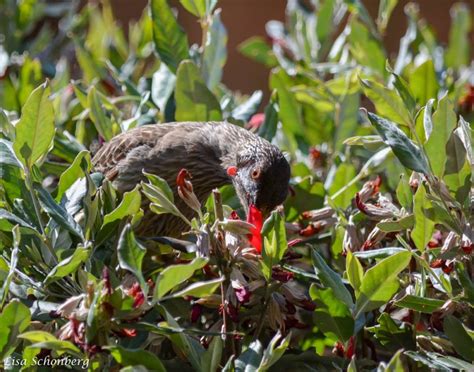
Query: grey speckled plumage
[{"x": 206, "y": 150}]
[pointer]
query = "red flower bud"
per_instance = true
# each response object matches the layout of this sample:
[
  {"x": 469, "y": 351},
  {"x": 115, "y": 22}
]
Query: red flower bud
[
  {"x": 282, "y": 275},
  {"x": 196, "y": 311},
  {"x": 350, "y": 348}
]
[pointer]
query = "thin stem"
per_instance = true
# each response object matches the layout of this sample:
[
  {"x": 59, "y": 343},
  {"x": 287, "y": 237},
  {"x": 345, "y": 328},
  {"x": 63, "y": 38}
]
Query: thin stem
[
  {"x": 36, "y": 207},
  {"x": 262, "y": 314},
  {"x": 29, "y": 184},
  {"x": 345, "y": 187}
]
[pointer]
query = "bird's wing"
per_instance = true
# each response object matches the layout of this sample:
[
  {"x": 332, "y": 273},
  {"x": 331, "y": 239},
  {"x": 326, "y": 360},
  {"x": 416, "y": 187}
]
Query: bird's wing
[{"x": 111, "y": 154}]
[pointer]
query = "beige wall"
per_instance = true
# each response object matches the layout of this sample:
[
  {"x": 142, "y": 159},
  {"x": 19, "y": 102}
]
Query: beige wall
[{"x": 245, "y": 18}]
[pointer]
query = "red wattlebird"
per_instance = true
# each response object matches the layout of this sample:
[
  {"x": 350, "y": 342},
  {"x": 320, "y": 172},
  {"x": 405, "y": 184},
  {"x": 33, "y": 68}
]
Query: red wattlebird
[{"x": 215, "y": 153}]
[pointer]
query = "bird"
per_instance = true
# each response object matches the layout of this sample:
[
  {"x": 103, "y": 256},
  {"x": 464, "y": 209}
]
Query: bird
[{"x": 214, "y": 153}]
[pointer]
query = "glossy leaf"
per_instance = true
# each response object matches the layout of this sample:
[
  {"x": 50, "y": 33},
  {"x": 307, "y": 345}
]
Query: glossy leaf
[
  {"x": 331, "y": 279},
  {"x": 171, "y": 43},
  {"x": 174, "y": 275},
  {"x": 458, "y": 169},
  {"x": 421, "y": 304},
  {"x": 444, "y": 122},
  {"x": 199, "y": 289},
  {"x": 81, "y": 164},
  {"x": 34, "y": 132},
  {"x": 457, "y": 54},
  {"x": 424, "y": 83},
  {"x": 68, "y": 265},
  {"x": 424, "y": 226},
  {"x": 14, "y": 319},
  {"x": 457, "y": 334},
  {"x": 194, "y": 101},
  {"x": 136, "y": 357},
  {"x": 332, "y": 316},
  {"x": 354, "y": 270},
  {"x": 257, "y": 49},
  {"x": 129, "y": 206},
  {"x": 380, "y": 282},
  {"x": 275, "y": 243},
  {"x": 130, "y": 254},
  {"x": 404, "y": 149},
  {"x": 387, "y": 102},
  {"x": 215, "y": 52}
]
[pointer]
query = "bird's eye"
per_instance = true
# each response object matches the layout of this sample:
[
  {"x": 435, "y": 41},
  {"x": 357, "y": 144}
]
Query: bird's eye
[{"x": 256, "y": 173}]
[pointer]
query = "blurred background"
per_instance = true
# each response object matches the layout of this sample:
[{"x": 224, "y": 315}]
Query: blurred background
[{"x": 246, "y": 18}]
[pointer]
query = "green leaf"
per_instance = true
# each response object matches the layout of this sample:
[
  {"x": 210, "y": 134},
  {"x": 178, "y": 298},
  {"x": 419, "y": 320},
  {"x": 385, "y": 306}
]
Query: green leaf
[
  {"x": 34, "y": 132},
  {"x": 365, "y": 48},
  {"x": 380, "y": 282},
  {"x": 274, "y": 351},
  {"x": 199, "y": 8},
  {"x": 404, "y": 91},
  {"x": 188, "y": 346},
  {"x": 325, "y": 20},
  {"x": 387, "y": 102},
  {"x": 354, "y": 269},
  {"x": 68, "y": 265},
  {"x": 162, "y": 86},
  {"x": 129, "y": 206},
  {"x": 331, "y": 279},
  {"x": 81, "y": 164},
  {"x": 215, "y": 52},
  {"x": 199, "y": 289},
  {"x": 250, "y": 359},
  {"x": 307, "y": 192},
  {"x": 458, "y": 52},
  {"x": 391, "y": 334},
  {"x": 404, "y": 194},
  {"x": 395, "y": 364},
  {"x": 213, "y": 355},
  {"x": 257, "y": 49},
  {"x": 439, "y": 362},
  {"x": 345, "y": 173},
  {"x": 102, "y": 122},
  {"x": 458, "y": 169},
  {"x": 12, "y": 266},
  {"x": 457, "y": 334},
  {"x": 378, "y": 253},
  {"x": 171, "y": 42},
  {"x": 332, "y": 316},
  {"x": 444, "y": 122},
  {"x": 403, "y": 223},
  {"x": 274, "y": 234},
  {"x": 131, "y": 254},
  {"x": 421, "y": 304},
  {"x": 136, "y": 357},
  {"x": 404, "y": 149},
  {"x": 174, "y": 275},
  {"x": 194, "y": 101},
  {"x": 424, "y": 226},
  {"x": 14, "y": 319},
  {"x": 58, "y": 213},
  {"x": 423, "y": 82},
  {"x": 289, "y": 109},
  {"x": 37, "y": 336},
  {"x": 385, "y": 10}
]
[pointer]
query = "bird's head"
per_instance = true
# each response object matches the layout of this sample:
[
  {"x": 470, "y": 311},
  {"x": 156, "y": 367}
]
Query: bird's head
[{"x": 260, "y": 177}]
